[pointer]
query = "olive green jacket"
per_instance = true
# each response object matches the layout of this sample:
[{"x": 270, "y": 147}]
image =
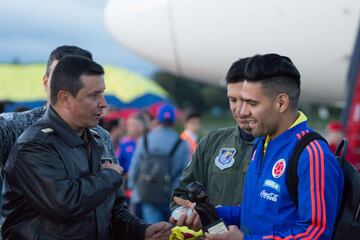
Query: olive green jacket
[{"x": 219, "y": 163}]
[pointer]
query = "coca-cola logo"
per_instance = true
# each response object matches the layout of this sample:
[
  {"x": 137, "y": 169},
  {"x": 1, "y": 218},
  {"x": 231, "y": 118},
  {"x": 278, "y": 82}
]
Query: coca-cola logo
[{"x": 269, "y": 196}]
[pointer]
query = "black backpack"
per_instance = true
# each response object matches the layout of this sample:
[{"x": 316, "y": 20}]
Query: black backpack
[
  {"x": 347, "y": 224},
  {"x": 154, "y": 178}
]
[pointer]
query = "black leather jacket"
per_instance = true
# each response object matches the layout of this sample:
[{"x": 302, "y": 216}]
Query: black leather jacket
[{"x": 54, "y": 188}]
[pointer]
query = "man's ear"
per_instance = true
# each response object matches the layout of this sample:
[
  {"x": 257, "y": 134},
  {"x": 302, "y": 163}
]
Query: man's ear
[
  {"x": 282, "y": 102},
  {"x": 64, "y": 98},
  {"x": 45, "y": 83}
]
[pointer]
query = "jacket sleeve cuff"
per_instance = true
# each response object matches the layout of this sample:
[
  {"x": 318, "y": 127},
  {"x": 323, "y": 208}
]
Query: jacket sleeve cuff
[
  {"x": 231, "y": 215},
  {"x": 113, "y": 177},
  {"x": 126, "y": 225}
]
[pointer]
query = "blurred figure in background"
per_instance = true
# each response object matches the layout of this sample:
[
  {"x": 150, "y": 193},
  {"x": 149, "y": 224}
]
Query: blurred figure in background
[
  {"x": 191, "y": 131},
  {"x": 153, "y": 180},
  {"x": 148, "y": 119},
  {"x": 334, "y": 134},
  {"x": 136, "y": 127},
  {"x": 116, "y": 129}
]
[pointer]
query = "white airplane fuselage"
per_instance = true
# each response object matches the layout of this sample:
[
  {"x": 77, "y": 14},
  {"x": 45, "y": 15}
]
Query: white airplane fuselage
[{"x": 200, "y": 39}]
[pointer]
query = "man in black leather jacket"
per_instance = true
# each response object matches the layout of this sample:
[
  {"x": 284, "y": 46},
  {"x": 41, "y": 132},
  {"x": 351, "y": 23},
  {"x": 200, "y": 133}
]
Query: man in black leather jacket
[
  {"x": 13, "y": 124},
  {"x": 56, "y": 185}
]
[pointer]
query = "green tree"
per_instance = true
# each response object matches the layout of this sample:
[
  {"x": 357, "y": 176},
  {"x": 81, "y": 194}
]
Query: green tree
[{"x": 192, "y": 94}]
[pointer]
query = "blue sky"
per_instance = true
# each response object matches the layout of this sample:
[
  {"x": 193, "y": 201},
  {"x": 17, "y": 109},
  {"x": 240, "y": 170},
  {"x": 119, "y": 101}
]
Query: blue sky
[{"x": 30, "y": 29}]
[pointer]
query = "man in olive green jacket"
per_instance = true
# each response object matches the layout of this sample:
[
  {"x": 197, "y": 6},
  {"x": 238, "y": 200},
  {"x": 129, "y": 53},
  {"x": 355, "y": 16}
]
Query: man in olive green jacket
[{"x": 222, "y": 157}]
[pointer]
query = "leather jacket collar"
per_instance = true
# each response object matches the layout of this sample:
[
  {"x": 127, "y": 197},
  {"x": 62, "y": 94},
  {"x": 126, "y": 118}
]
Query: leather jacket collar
[{"x": 65, "y": 131}]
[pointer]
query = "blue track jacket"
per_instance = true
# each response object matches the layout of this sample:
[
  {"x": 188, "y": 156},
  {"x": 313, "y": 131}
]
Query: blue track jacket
[{"x": 268, "y": 212}]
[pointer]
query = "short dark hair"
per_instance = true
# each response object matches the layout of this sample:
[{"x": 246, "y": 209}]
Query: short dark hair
[
  {"x": 235, "y": 73},
  {"x": 63, "y": 51},
  {"x": 146, "y": 115},
  {"x": 276, "y": 73},
  {"x": 67, "y": 73},
  {"x": 192, "y": 114},
  {"x": 110, "y": 125},
  {"x": 139, "y": 116}
]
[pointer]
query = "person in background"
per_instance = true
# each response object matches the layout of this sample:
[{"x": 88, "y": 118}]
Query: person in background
[
  {"x": 191, "y": 131},
  {"x": 116, "y": 130},
  {"x": 135, "y": 128},
  {"x": 335, "y": 134},
  {"x": 148, "y": 119},
  {"x": 161, "y": 140}
]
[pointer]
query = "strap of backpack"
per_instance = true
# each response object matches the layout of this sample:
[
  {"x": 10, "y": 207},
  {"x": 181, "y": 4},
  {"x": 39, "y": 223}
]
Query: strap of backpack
[
  {"x": 146, "y": 148},
  {"x": 172, "y": 151},
  {"x": 174, "y": 148},
  {"x": 341, "y": 150},
  {"x": 292, "y": 179}
]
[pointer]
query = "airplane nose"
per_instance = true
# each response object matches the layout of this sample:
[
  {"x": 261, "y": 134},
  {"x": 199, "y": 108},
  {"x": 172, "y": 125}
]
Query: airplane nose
[{"x": 144, "y": 27}]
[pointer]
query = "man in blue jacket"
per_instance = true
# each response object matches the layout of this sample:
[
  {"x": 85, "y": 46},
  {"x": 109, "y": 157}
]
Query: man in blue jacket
[{"x": 270, "y": 94}]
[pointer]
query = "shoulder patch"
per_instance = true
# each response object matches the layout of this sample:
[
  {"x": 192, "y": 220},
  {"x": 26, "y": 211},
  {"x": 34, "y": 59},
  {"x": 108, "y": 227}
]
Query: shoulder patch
[
  {"x": 47, "y": 130},
  {"x": 7, "y": 116},
  {"x": 225, "y": 159},
  {"x": 94, "y": 132}
]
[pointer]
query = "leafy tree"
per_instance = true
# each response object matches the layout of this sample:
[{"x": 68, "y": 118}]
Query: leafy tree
[{"x": 192, "y": 94}]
